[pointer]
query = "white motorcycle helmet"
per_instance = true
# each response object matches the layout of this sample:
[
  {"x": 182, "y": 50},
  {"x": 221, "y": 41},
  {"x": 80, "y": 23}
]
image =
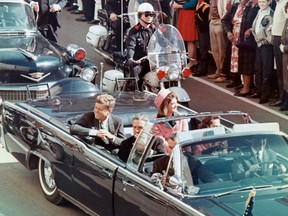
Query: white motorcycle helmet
[{"x": 145, "y": 7}]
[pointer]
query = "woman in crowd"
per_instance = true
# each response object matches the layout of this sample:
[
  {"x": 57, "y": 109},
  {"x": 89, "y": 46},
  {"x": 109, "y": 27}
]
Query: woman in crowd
[
  {"x": 237, "y": 25},
  {"x": 186, "y": 26}
]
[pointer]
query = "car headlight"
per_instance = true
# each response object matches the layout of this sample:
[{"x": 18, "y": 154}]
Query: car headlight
[
  {"x": 173, "y": 72},
  {"x": 76, "y": 52},
  {"x": 88, "y": 74}
]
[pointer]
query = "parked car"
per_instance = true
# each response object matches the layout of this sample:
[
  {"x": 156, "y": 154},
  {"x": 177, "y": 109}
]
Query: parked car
[
  {"x": 36, "y": 133},
  {"x": 27, "y": 58}
]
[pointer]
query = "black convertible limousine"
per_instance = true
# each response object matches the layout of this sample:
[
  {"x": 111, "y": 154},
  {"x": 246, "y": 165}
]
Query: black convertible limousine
[{"x": 36, "y": 133}]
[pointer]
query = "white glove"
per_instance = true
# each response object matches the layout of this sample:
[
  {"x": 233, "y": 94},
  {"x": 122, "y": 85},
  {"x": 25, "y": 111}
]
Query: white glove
[
  {"x": 281, "y": 48},
  {"x": 55, "y": 7}
]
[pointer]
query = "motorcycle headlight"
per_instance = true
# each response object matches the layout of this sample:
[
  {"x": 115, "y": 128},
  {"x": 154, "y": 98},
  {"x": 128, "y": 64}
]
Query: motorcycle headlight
[
  {"x": 173, "y": 72},
  {"x": 88, "y": 74}
]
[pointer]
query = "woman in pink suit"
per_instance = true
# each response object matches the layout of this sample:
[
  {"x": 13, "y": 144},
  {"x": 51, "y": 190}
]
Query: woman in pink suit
[{"x": 166, "y": 102}]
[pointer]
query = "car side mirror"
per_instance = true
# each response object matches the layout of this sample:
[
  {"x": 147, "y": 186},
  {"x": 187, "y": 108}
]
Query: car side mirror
[
  {"x": 156, "y": 179},
  {"x": 175, "y": 181}
]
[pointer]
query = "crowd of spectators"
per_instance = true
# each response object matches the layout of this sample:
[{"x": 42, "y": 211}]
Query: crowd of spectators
[{"x": 243, "y": 36}]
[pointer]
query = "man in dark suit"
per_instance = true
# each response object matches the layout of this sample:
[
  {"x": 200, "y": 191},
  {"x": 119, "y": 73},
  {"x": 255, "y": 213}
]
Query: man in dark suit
[
  {"x": 160, "y": 165},
  {"x": 48, "y": 16},
  {"x": 107, "y": 129},
  {"x": 192, "y": 169},
  {"x": 139, "y": 122},
  {"x": 261, "y": 161},
  {"x": 115, "y": 8}
]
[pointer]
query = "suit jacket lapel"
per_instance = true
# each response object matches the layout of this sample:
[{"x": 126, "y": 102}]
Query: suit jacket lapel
[
  {"x": 111, "y": 127},
  {"x": 96, "y": 124}
]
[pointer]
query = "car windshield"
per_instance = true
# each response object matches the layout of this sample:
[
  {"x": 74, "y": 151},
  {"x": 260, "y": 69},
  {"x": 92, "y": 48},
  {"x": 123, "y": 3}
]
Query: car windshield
[
  {"x": 220, "y": 165},
  {"x": 15, "y": 16}
]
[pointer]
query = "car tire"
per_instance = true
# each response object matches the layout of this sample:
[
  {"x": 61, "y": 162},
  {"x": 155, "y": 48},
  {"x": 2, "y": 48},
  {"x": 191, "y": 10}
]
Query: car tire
[{"x": 47, "y": 182}]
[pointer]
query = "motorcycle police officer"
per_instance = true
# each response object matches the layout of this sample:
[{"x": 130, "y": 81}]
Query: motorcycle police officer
[
  {"x": 115, "y": 8},
  {"x": 137, "y": 42}
]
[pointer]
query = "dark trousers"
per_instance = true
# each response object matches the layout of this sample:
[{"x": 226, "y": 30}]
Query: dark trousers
[
  {"x": 279, "y": 64},
  {"x": 118, "y": 32},
  {"x": 264, "y": 70},
  {"x": 204, "y": 46},
  {"x": 88, "y": 8},
  {"x": 226, "y": 71}
]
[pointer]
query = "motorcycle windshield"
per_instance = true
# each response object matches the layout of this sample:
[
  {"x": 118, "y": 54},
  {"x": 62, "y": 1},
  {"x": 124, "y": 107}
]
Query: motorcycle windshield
[
  {"x": 166, "y": 48},
  {"x": 133, "y": 14}
]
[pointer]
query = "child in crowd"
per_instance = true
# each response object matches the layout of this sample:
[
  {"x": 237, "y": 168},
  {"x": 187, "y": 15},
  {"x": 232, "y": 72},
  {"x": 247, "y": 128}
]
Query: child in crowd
[{"x": 264, "y": 62}]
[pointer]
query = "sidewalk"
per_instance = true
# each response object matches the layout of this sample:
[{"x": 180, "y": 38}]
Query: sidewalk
[{"x": 6, "y": 157}]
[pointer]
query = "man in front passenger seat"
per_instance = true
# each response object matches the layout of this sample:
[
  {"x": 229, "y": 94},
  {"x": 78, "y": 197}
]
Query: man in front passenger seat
[{"x": 139, "y": 122}]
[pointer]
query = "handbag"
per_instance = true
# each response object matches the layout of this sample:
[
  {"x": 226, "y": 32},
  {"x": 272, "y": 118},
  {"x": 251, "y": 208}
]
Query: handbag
[{"x": 249, "y": 43}]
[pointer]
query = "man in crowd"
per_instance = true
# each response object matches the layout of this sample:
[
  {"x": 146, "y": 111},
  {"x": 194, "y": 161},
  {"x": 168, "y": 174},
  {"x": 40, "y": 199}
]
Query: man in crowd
[
  {"x": 48, "y": 16},
  {"x": 115, "y": 8}
]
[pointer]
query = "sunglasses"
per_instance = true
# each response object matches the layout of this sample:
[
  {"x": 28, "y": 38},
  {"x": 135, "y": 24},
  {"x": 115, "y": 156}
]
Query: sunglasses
[{"x": 149, "y": 14}]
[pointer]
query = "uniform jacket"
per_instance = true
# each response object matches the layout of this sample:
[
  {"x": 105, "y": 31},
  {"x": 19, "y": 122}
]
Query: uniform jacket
[
  {"x": 137, "y": 41},
  {"x": 87, "y": 121}
]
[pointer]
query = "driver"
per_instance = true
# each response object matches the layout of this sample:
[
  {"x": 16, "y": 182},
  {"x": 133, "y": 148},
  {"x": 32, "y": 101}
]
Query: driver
[
  {"x": 137, "y": 42},
  {"x": 260, "y": 162}
]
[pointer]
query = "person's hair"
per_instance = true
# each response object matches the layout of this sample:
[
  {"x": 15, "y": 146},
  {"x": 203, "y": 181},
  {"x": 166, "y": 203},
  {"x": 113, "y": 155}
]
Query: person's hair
[
  {"x": 207, "y": 121},
  {"x": 107, "y": 100},
  {"x": 140, "y": 117},
  {"x": 286, "y": 6},
  {"x": 163, "y": 107}
]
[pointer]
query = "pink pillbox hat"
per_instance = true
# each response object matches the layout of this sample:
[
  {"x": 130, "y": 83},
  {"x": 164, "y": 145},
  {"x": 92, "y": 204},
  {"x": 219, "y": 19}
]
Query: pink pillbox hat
[{"x": 162, "y": 94}]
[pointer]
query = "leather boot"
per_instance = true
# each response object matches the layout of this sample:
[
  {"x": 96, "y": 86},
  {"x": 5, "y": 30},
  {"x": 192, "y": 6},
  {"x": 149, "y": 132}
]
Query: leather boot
[
  {"x": 236, "y": 80},
  {"x": 280, "y": 101},
  {"x": 284, "y": 106}
]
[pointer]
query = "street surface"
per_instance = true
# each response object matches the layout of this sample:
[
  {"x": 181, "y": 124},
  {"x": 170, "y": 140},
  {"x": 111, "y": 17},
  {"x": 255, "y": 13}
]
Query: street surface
[{"x": 20, "y": 192}]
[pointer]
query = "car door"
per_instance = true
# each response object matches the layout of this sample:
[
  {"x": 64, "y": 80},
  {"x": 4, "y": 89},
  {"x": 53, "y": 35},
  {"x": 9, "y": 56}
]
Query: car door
[
  {"x": 93, "y": 174},
  {"x": 27, "y": 134},
  {"x": 136, "y": 195}
]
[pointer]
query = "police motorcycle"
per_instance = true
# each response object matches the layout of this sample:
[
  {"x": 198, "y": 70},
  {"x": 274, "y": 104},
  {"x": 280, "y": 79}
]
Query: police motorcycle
[
  {"x": 165, "y": 73},
  {"x": 168, "y": 62},
  {"x": 102, "y": 36}
]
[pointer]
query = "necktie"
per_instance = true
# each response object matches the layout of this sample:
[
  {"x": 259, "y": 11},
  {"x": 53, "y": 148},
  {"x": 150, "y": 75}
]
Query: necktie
[
  {"x": 259, "y": 172},
  {"x": 102, "y": 125},
  {"x": 258, "y": 157}
]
